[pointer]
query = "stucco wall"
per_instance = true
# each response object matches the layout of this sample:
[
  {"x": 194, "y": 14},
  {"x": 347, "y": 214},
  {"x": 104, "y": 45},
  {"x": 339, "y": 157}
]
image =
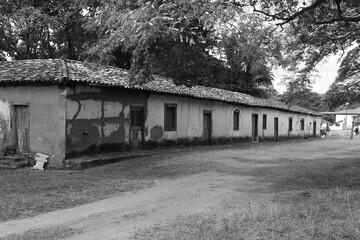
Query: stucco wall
[
  {"x": 348, "y": 119},
  {"x": 47, "y": 118},
  {"x": 97, "y": 119},
  {"x": 190, "y": 119}
]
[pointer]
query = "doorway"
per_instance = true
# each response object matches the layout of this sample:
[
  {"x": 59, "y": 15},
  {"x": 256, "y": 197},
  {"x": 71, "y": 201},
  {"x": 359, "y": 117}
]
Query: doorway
[
  {"x": 22, "y": 128},
  {"x": 255, "y": 127},
  {"x": 136, "y": 137},
  {"x": 276, "y": 129},
  {"x": 207, "y": 132}
]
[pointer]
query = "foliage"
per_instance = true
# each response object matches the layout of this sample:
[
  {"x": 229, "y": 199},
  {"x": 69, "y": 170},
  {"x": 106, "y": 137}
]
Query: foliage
[
  {"x": 346, "y": 87},
  {"x": 299, "y": 93},
  {"x": 317, "y": 29},
  {"x": 212, "y": 43},
  {"x": 43, "y": 29}
]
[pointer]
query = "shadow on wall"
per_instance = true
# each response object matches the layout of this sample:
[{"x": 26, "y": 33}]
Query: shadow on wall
[{"x": 4, "y": 135}]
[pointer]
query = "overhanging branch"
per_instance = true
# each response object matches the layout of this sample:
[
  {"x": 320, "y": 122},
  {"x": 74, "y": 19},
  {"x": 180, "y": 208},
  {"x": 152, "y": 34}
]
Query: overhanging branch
[{"x": 291, "y": 17}]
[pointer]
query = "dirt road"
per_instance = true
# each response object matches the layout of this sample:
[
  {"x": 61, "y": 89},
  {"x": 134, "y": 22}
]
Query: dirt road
[{"x": 246, "y": 176}]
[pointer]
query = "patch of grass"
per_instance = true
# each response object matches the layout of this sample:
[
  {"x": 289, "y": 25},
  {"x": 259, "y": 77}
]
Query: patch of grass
[
  {"x": 26, "y": 192},
  {"x": 52, "y": 233},
  {"x": 328, "y": 214},
  {"x": 327, "y": 207}
]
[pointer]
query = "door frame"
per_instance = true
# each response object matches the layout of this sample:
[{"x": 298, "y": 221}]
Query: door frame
[
  {"x": 136, "y": 128},
  {"x": 208, "y": 112},
  {"x": 276, "y": 128},
  {"x": 13, "y": 126},
  {"x": 255, "y": 127}
]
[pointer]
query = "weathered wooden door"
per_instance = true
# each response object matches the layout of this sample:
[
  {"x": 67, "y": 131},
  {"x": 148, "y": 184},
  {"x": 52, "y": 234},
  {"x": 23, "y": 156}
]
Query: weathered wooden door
[
  {"x": 207, "y": 127},
  {"x": 276, "y": 129},
  {"x": 22, "y": 128},
  {"x": 136, "y": 127},
  {"x": 255, "y": 127},
  {"x": 314, "y": 129}
]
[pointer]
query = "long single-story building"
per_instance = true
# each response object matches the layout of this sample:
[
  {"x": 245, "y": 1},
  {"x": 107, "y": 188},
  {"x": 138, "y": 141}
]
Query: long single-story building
[{"x": 66, "y": 108}]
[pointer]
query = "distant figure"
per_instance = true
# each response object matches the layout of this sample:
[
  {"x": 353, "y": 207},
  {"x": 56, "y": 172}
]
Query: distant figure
[
  {"x": 357, "y": 130},
  {"x": 323, "y": 130},
  {"x": 327, "y": 129}
]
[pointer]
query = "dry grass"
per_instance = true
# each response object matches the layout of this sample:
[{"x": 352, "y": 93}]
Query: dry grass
[
  {"x": 326, "y": 205},
  {"x": 273, "y": 221},
  {"x": 53, "y": 233},
  {"x": 303, "y": 192},
  {"x": 27, "y": 192}
]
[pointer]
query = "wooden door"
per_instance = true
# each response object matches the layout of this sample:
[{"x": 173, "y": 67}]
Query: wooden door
[
  {"x": 314, "y": 129},
  {"x": 207, "y": 127},
  {"x": 276, "y": 129},
  {"x": 22, "y": 128},
  {"x": 136, "y": 138},
  {"x": 255, "y": 127}
]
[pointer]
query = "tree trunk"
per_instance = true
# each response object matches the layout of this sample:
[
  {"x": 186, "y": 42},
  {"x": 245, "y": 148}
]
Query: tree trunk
[{"x": 352, "y": 129}]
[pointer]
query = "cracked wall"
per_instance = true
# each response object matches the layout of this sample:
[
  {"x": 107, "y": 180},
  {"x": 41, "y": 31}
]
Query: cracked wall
[
  {"x": 98, "y": 119},
  {"x": 47, "y": 119}
]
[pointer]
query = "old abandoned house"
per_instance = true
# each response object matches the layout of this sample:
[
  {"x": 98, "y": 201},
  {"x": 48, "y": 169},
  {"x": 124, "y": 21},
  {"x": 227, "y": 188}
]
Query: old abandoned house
[{"x": 67, "y": 108}]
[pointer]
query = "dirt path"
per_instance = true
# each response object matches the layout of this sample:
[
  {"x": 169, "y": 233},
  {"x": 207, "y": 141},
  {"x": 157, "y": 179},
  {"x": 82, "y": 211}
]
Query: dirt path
[
  {"x": 247, "y": 175},
  {"x": 120, "y": 216}
]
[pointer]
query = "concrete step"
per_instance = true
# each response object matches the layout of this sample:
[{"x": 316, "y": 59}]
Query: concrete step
[
  {"x": 12, "y": 162},
  {"x": 101, "y": 159},
  {"x": 15, "y": 158}
]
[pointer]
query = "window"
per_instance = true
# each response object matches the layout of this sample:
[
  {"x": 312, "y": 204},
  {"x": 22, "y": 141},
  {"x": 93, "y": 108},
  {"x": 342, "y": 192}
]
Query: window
[
  {"x": 290, "y": 124},
  {"x": 302, "y": 124},
  {"x": 136, "y": 117},
  {"x": 236, "y": 120},
  {"x": 264, "y": 121},
  {"x": 170, "y": 117}
]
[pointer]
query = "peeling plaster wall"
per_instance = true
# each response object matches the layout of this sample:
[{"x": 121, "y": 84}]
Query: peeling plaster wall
[
  {"x": 190, "y": 119},
  {"x": 4, "y": 125},
  {"x": 283, "y": 119},
  {"x": 47, "y": 118},
  {"x": 98, "y": 119}
]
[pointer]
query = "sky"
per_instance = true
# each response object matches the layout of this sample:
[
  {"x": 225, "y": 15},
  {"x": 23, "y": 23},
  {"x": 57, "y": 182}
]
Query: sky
[{"x": 326, "y": 75}]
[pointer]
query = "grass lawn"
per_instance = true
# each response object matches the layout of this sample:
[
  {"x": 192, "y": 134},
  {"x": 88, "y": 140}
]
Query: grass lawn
[
  {"x": 52, "y": 233},
  {"x": 325, "y": 206},
  {"x": 303, "y": 190},
  {"x": 26, "y": 192}
]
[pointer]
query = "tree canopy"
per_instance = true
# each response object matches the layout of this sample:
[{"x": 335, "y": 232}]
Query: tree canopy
[
  {"x": 44, "y": 29},
  {"x": 230, "y": 44},
  {"x": 316, "y": 29},
  {"x": 212, "y": 43}
]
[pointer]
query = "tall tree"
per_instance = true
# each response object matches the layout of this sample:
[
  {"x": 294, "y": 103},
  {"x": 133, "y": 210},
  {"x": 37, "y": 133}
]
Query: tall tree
[
  {"x": 316, "y": 29},
  {"x": 195, "y": 42},
  {"x": 299, "y": 92},
  {"x": 346, "y": 87},
  {"x": 44, "y": 29}
]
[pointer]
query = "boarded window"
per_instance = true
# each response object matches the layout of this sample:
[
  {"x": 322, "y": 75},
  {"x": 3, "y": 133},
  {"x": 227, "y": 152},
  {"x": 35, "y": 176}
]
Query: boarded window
[
  {"x": 136, "y": 117},
  {"x": 264, "y": 121},
  {"x": 236, "y": 120},
  {"x": 302, "y": 124},
  {"x": 170, "y": 117},
  {"x": 290, "y": 124}
]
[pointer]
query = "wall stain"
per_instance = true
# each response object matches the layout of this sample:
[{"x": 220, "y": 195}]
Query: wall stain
[
  {"x": 156, "y": 132},
  {"x": 86, "y": 136}
]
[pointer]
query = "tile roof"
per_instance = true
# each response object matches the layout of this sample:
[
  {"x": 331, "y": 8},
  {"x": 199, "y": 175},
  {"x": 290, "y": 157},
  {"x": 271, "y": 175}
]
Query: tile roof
[
  {"x": 355, "y": 111},
  {"x": 55, "y": 71}
]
